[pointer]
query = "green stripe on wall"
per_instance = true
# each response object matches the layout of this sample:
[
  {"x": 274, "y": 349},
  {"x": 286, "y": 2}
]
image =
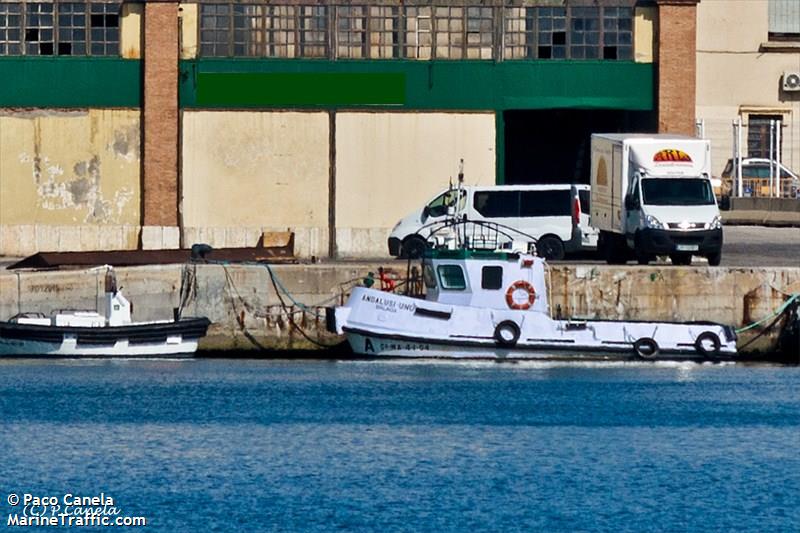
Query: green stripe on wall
[
  {"x": 461, "y": 85},
  {"x": 69, "y": 82},
  {"x": 301, "y": 88}
]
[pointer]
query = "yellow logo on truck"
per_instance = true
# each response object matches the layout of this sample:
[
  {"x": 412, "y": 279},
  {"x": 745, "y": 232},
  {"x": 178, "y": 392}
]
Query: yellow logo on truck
[
  {"x": 602, "y": 173},
  {"x": 671, "y": 155}
]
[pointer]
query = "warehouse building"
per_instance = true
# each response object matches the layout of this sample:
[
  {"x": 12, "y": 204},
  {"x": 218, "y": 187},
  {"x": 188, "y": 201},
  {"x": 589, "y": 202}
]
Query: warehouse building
[{"x": 160, "y": 124}]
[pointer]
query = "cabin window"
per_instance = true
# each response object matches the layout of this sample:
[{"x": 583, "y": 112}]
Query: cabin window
[
  {"x": 492, "y": 277},
  {"x": 429, "y": 277},
  {"x": 451, "y": 277}
]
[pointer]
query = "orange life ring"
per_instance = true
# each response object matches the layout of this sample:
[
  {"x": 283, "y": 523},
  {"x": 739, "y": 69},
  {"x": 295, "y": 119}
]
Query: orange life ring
[{"x": 520, "y": 285}]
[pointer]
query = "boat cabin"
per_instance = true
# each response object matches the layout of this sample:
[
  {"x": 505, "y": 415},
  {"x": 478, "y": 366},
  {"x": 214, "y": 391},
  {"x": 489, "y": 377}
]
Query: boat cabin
[{"x": 483, "y": 278}]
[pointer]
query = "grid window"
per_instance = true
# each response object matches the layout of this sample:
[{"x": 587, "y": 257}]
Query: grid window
[
  {"x": 552, "y": 33},
  {"x": 313, "y": 26},
  {"x": 584, "y": 33},
  {"x": 280, "y": 28},
  {"x": 618, "y": 33},
  {"x": 104, "y": 28},
  {"x": 39, "y": 35},
  {"x": 215, "y": 29},
  {"x": 10, "y": 28},
  {"x": 71, "y": 28},
  {"x": 758, "y": 135},
  {"x": 480, "y": 32},
  {"x": 248, "y": 30},
  {"x": 384, "y": 35},
  {"x": 351, "y": 32},
  {"x": 418, "y": 32},
  {"x": 449, "y": 26},
  {"x": 518, "y": 38}
]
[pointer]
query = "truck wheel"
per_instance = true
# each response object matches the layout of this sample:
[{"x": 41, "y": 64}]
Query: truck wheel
[
  {"x": 714, "y": 259},
  {"x": 681, "y": 259},
  {"x": 551, "y": 248},
  {"x": 615, "y": 250},
  {"x": 413, "y": 247}
]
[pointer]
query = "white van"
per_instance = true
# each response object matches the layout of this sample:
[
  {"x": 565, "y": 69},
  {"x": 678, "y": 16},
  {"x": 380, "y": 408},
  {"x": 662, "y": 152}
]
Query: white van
[{"x": 556, "y": 215}]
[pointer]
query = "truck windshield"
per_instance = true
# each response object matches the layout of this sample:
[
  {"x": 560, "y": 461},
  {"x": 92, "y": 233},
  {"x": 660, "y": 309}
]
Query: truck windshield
[{"x": 677, "y": 191}]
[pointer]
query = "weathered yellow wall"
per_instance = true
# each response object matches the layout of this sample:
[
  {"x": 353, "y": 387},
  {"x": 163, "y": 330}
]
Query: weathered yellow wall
[
  {"x": 388, "y": 164},
  {"x": 188, "y": 13},
  {"x": 643, "y": 23},
  {"x": 736, "y": 77},
  {"x": 131, "y": 31},
  {"x": 63, "y": 175},
  {"x": 247, "y": 171}
]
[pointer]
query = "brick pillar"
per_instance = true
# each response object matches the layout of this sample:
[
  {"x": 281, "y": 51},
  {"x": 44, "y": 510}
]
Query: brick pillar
[
  {"x": 160, "y": 126},
  {"x": 677, "y": 65}
]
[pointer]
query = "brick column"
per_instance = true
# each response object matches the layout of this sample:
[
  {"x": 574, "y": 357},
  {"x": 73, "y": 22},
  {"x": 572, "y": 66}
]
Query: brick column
[
  {"x": 677, "y": 65},
  {"x": 160, "y": 124}
]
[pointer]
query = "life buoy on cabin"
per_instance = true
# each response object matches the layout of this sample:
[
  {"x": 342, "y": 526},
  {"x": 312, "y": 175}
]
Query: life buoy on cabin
[{"x": 520, "y": 303}]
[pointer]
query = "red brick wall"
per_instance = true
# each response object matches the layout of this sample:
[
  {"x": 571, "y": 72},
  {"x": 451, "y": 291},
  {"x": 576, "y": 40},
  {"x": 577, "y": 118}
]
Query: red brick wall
[
  {"x": 160, "y": 129},
  {"x": 677, "y": 65}
]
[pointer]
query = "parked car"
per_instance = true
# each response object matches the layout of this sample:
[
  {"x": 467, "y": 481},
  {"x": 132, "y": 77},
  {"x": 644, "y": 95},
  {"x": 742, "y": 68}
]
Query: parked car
[
  {"x": 755, "y": 180},
  {"x": 557, "y": 216}
]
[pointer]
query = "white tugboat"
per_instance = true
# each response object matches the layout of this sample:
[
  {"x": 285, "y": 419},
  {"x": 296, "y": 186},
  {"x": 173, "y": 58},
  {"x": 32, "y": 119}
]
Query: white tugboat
[
  {"x": 90, "y": 334},
  {"x": 483, "y": 302}
]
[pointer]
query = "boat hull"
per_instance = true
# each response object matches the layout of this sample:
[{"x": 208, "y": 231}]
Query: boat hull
[
  {"x": 162, "y": 339},
  {"x": 379, "y": 324}
]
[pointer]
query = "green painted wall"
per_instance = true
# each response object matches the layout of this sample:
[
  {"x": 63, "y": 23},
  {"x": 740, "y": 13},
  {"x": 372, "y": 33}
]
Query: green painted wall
[
  {"x": 463, "y": 85},
  {"x": 65, "y": 82}
]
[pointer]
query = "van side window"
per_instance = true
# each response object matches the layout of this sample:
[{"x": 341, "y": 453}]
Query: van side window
[
  {"x": 491, "y": 277},
  {"x": 452, "y": 277},
  {"x": 546, "y": 203},
  {"x": 497, "y": 204}
]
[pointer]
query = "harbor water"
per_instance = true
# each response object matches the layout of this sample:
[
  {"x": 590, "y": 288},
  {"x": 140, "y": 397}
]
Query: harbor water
[{"x": 391, "y": 446}]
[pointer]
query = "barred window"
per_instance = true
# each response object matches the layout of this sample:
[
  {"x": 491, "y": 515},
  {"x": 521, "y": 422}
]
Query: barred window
[
  {"x": 552, "y": 31},
  {"x": 584, "y": 33},
  {"x": 519, "y": 23},
  {"x": 313, "y": 26},
  {"x": 215, "y": 29},
  {"x": 39, "y": 35},
  {"x": 384, "y": 34},
  {"x": 10, "y": 29},
  {"x": 71, "y": 28},
  {"x": 104, "y": 26},
  {"x": 618, "y": 33},
  {"x": 280, "y": 31},
  {"x": 449, "y": 27},
  {"x": 480, "y": 32},
  {"x": 248, "y": 30},
  {"x": 351, "y": 32},
  {"x": 418, "y": 32}
]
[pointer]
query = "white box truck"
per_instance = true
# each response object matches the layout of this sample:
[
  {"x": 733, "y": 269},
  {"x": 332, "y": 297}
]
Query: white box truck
[{"x": 651, "y": 195}]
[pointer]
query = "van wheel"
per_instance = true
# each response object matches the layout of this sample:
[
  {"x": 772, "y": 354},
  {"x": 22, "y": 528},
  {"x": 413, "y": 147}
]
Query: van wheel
[
  {"x": 413, "y": 247},
  {"x": 714, "y": 259},
  {"x": 551, "y": 248}
]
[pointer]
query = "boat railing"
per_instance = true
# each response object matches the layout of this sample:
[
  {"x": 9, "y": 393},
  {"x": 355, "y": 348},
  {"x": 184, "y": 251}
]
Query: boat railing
[{"x": 468, "y": 234}]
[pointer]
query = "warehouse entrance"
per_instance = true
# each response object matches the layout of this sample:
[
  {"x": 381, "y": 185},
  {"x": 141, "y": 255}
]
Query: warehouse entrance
[{"x": 552, "y": 145}]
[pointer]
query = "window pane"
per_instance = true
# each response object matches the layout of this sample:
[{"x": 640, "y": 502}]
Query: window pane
[
  {"x": 545, "y": 203},
  {"x": 497, "y": 204},
  {"x": 452, "y": 277},
  {"x": 492, "y": 277}
]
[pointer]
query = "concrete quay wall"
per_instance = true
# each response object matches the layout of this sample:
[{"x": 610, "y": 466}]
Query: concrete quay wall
[{"x": 248, "y": 313}]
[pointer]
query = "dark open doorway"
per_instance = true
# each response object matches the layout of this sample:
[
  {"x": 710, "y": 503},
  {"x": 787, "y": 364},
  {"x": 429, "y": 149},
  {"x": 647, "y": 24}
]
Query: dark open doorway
[{"x": 552, "y": 146}]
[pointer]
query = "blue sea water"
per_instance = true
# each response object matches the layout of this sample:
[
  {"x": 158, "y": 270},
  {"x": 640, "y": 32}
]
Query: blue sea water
[{"x": 316, "y": 446}]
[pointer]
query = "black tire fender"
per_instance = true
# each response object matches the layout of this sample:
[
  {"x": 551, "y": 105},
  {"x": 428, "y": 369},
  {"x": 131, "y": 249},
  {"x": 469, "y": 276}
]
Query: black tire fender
[
  {"x": 707, "y": 336},
  {"x": 646, "y": 348},
  {"x": 507, "y": 333}
]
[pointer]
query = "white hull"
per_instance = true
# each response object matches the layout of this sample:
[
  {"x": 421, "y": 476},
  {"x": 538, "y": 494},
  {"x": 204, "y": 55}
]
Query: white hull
[
  {"x": 70, "y": 348},
  {"x": 383, "y": 324}
]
